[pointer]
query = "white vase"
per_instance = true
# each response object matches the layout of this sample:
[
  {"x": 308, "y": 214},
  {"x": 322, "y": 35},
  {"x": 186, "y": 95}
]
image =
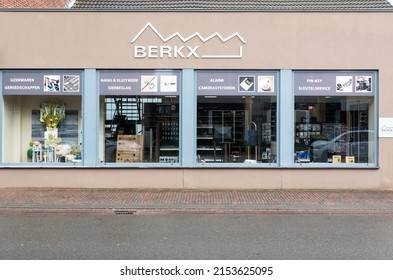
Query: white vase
[{"x": 53, "y": 131}]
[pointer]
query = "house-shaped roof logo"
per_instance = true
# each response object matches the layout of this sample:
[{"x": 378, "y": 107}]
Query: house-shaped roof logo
[{"x": 203, "y": 39}]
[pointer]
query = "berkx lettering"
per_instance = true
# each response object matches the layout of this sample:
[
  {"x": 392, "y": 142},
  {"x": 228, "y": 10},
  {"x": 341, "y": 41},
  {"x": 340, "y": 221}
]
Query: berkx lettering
[
  {"x": 184, "y": 52},
  {"x": 165, "y": 51}
]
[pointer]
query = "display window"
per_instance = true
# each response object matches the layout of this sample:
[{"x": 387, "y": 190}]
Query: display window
[
  {"x": 236, "y": 117},
  {"x": 335, "y": 117},
  {"x": 139, "y": 117},
  {"x": 42, "y": 117}
]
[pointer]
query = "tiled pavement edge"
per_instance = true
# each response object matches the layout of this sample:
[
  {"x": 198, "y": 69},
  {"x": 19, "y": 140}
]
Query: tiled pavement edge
[{"x": 196, "y": 201}]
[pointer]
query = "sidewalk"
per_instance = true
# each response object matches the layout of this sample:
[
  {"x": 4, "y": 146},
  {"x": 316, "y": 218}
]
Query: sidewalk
[{"x": 131, "y": 201}]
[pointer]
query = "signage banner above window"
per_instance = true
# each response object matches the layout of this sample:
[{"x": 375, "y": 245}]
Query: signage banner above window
[
  {"x": 42, "y": 82},
  {"x": 254, "y": 83},
  {"x": 139, "y": 82},
  {"x": 334, "y": 83}
]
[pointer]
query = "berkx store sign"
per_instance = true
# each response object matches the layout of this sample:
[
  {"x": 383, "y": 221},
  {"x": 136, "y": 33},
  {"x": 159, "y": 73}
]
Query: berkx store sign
[{"x": 231, "y": 46}]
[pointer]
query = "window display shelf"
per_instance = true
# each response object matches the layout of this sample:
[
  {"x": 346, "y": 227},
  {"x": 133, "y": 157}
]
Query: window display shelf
[
  {"x": 209, "y": 149},
  {"x": 218, "y": 131},
  {"x": 169, "y": 148},
  {"x": 212, "y": 160}
]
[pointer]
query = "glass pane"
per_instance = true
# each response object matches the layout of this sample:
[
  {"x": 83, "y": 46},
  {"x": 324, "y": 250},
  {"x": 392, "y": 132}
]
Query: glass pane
[
  {"x": 140, "y": 129},
  {"x": 334, "y": 129},
  {"x": 236, "y": 129},
  {"x": 42, "y": 129}
]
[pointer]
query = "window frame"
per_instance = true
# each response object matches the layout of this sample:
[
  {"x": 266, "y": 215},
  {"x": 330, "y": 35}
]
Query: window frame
[
  {"x": 238, "y": 73},
  {"x": 285, "y": 100},
  {"x": 179, "y": 94},
  {"x": 39, "y": 92},
  {"x": 354, "y": 73}
]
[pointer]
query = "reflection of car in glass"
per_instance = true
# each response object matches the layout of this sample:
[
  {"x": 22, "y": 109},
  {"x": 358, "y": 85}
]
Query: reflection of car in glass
[{"x": 352, "y": 143}]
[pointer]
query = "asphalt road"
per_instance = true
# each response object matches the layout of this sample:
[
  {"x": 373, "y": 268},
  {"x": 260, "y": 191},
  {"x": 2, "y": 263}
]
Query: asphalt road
[{"x": 272, "y": 237}]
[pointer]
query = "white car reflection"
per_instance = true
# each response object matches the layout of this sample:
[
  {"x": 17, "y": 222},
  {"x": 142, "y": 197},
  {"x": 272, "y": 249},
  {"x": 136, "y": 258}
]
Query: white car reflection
[{"x": 352, "y": 143}]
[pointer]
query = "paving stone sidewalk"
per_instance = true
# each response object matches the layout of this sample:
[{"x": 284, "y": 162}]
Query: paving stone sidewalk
[{"x": 196, "y": 201}]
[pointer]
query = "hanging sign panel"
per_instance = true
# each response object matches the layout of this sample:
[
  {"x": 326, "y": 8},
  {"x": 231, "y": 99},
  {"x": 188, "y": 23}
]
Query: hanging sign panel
[
  {"x": 256, "y": 83},
  {"x": 139, "y": 82},
  {"x": 42, "y": 83},
  {"x": 334, "y": 83}
]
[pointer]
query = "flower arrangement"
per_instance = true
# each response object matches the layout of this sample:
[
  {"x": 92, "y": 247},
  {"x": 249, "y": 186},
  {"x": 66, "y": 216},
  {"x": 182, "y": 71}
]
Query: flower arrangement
[
  {"x": 68, "y": 152},
  {"x": 52, "y": 140},
  {"x": 63, "y": 150},
  {"x": 51, "y": 114}
]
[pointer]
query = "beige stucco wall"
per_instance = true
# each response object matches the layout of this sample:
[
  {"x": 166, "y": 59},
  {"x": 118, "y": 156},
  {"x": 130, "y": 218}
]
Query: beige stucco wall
[
  {"x": 101, "y": 40},
  {"x": 273, "y": 40},
  {"x": 193, "y": 178}
]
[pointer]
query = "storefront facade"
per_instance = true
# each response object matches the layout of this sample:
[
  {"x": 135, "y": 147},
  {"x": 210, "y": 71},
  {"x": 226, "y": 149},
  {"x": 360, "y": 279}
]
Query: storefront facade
[{"x": 245, "y": 100}]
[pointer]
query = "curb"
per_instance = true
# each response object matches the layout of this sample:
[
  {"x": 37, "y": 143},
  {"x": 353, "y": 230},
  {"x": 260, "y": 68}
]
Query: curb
[{"x": 146, "y": 210}]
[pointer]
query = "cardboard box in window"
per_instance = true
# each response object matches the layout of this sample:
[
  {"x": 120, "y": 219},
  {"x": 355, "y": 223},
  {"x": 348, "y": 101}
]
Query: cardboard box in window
[
  {"x": 349, "y": 159},
  {"x": 336, "y": 159},
  {"x": 129, "y": 148}
]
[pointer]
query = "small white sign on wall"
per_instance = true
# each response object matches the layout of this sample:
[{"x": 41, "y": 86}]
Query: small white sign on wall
[{"x": 385, "y": 127}]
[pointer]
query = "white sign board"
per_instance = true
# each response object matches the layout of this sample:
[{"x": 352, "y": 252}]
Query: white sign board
[{"x": 385, "y": 127}]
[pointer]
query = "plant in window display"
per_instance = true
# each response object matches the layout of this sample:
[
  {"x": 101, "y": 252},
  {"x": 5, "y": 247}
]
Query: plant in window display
[
  {"x": 76, "y": 151},
  {"x": 34, "y": 147},
  {"x": 51, "y": 114},
  {"x": 67, "y": 152}
]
